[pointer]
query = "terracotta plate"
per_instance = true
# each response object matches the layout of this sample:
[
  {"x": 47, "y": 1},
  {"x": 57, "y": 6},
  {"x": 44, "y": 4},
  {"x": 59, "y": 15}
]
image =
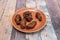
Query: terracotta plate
[{"x": 40, "y": 25}]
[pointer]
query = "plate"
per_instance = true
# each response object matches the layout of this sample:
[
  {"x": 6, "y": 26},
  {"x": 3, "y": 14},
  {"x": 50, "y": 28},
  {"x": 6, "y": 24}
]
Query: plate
[{"x": 39, "y": 24}]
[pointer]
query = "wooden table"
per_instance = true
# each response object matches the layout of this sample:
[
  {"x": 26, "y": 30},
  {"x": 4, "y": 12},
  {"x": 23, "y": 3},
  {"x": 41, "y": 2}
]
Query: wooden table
[{"x": 8, "y": 8}]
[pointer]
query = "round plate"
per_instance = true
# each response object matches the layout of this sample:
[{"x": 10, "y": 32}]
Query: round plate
[{"x": 40, "y": 25}]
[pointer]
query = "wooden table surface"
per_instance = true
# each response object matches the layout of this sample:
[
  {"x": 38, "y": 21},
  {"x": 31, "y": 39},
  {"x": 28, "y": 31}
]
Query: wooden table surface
[{"x": 8, "y": 8}]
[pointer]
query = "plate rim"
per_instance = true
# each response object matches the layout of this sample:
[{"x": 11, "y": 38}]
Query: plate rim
[{"x": 31, "y": 31}]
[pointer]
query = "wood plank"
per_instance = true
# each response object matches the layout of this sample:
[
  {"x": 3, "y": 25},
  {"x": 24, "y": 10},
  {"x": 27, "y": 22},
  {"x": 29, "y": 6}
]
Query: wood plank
[
  {"x": 2, "y": 7},
  {"x": 16, "y": 35},
  {"x": 5, "y": 25},
  {"x": 54, "y": 10}
]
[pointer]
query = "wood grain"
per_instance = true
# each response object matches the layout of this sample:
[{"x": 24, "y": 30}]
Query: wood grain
[
  {"x": 2, "y": 7},
  {"x": 5, "y": 23},
  {"x": 54, "y": 10}
]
